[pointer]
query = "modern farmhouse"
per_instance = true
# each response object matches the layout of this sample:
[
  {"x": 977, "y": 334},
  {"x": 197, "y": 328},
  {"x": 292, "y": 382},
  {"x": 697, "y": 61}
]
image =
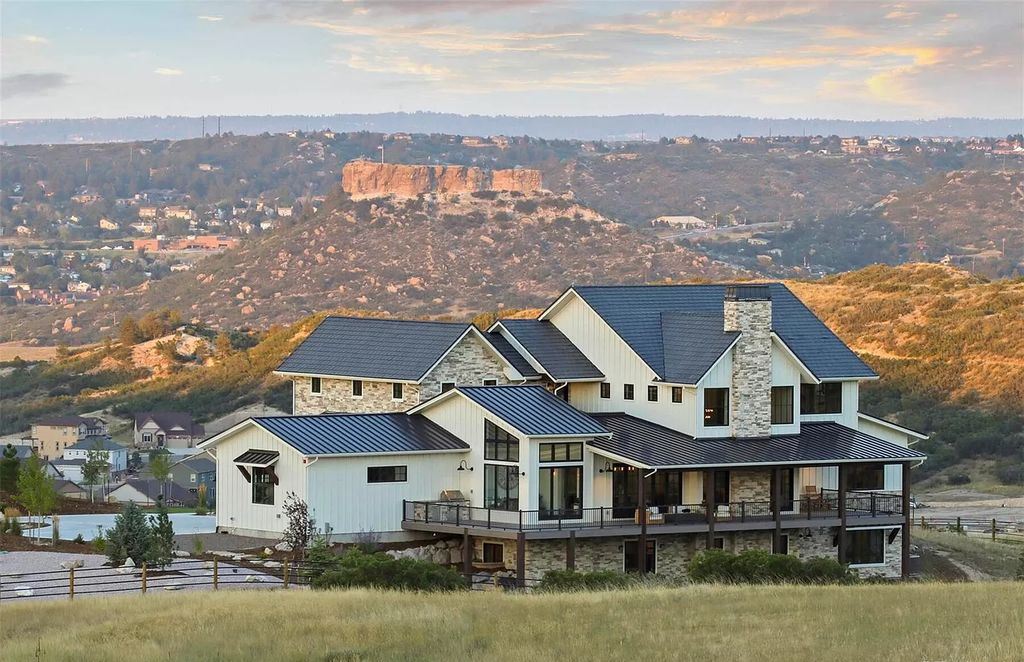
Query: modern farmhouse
[{"x": 626, "y": 427}]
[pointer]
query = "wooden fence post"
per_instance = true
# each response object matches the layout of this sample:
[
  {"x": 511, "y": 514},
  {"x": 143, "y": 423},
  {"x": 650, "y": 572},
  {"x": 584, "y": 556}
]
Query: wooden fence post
[
  {"x": 215, "y": 577},
  {"x": 71, "y": 583},
  {"x": 959, "y": 528},
  {"x": 143, "y": 578},
  {"x": 287, "y": 564},
  {"x": 993, "y": 528}
]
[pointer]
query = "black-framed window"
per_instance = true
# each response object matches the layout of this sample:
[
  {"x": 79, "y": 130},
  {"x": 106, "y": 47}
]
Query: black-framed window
[
  {"x": 560, "y": 491},
  {"x": 262, "y": 486},
  {"x": 677, "y": 394},
  {"x": 782, "y": 405},
  {"x": 357, "y": 388},
  {"x": 718, "y": 543},
  {"x": 490, "y": 382},
  {"x": 664, "y": 488},
  {"x": 865, "y": 546},
  {"x": 394, "y": 474},
  {"x": 631, "y": 555},
  {"x": 716, "y": 407},
  {"x": 721, "y": 488},
  {"x": 397, "y": 391},
  {"x": 825, "y": 398},
  {"x": 627, "y": 391},
  {"x": 494, "y": 552},
  {"x": 447, "y": 386},
  {"x": 315, "y": 386},
  {"x": 499, "y": 444},
  {"x": 561, "y": 452},
  {"x": 606, "y": 390},
  {"x": 501, "y": 486},
  {"x": 865, "y": 477},
  {"x": 652, "y": 393}
]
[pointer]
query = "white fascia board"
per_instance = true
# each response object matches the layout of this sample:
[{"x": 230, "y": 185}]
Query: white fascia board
[
  {"x": 440, "y": 397},
  {"x": 618, "y": 458},
  {"x": 556, "y": 304},
  {"x": 792, "y": 355},
  {"x": 206, "y": 444},
  {"x": 720, "y": 357},
  {"x": 516, "y": 345},
  {"x": 328, "y": 456},
  {"x": 892, "y": 426}
]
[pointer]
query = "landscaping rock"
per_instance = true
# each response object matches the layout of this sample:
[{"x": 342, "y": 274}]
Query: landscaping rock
[
  {"x": 67, "y": 565},
  {"x": 267, "y": 551},
  {"x": 181, "y": 554},
  {"x": 283, "y": 547},
  {"x": 271, "y": 564}
]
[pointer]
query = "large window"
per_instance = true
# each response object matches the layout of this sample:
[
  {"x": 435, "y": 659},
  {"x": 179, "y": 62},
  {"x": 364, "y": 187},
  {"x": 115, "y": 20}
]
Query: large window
[
  {"x": 561, "y": 492},
  {"x": 866, "y": 477},
  {"x": 782, "y": 405},
  {"x": 721, "y": 488},
  {"x": 664, "y": 488},
  {"x": 865, "y": 547},
  {"x": 395, "y": 474},
  {"x": 716, "y": 407},
  {"x": 631, "y": 555},
  {"x": 826, "y": 398},
  {"x": 501, "y": 486},
  {"x": 499, "y": 445},
  {"x": 314, "y": 385},
  {"x": 262, "y": 486},
  {"x": 561, "y": 452}
]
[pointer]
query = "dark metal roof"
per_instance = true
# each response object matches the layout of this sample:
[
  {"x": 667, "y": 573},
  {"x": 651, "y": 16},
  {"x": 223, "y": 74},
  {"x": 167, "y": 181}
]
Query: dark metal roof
[
  {"x": 691, "y": 344},
  {"x": 97, "y": 442},
  {"x": 634, "y": 312},
  {"x": 340, "y": 434},
  {"x": 512, "y": 355},
  {"x": 652, "y": 445},
  {"x": 373, "y": 348},
  {"x": 533, "y": 410},
  {"x": 557, "y": 355},
  {"x": 257, "y": 457}
]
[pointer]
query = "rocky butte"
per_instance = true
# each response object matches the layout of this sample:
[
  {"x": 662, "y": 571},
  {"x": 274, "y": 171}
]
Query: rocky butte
[{"x": 368, "y": 179}]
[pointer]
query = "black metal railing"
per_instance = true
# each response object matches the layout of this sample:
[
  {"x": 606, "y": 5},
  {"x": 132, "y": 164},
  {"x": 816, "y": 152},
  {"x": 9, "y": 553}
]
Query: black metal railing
[{"x": 823, "y": 505}]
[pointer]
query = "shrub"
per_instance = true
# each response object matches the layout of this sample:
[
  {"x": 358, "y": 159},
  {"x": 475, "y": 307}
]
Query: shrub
[
  {"x": 99, "y": 543},
  {"x": 959, "y": 478},
  {"x": 570, "y": 580},
  {"x": 14, "y": 528},
  {"x": 79, "y": 539},
  {"x": 1011, "y": 474},
  {"x": 358, "y": 569},
  {"x": 760, "y": 566}
]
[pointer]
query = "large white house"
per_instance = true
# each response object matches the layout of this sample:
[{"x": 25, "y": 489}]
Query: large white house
[{"x": 737, "y": 406}]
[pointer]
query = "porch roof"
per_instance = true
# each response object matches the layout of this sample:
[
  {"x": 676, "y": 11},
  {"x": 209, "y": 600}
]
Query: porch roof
[{"x": 652, "y": 446}]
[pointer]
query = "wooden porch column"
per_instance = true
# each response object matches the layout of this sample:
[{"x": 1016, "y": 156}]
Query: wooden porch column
[
  {"x": 905, "y": 552},
  {"x": 709, "y": 501},
  {"x": 843, "y": 475},
  {"x": 642, "y": 513},
  {"x": 570, "y": 551},
  {"x": 776, "y": 487},
  {"x": 521, "y": 560}
]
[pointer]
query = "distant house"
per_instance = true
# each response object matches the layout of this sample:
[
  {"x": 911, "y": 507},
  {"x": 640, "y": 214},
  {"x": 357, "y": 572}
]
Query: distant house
[
  {"x": 70, "y": 490},
  {"x": 107, "y": 224},
  {"x": 682, "y": 222},
  {"x": 167, "y": 429},
  {"x": 146, "y": 491},
  {"x": 116, "y": 456},
  {"x": 51, "y": 436},
  {"x": 147, "y": 211},
  {"x": 196, "y": 470}
]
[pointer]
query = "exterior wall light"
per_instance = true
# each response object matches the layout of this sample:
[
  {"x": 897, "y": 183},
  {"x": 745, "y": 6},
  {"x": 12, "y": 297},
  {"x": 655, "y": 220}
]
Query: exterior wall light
[{"x": 464, "y": 467}]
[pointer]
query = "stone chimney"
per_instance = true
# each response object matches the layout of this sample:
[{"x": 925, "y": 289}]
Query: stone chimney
[{"x": 748, "y": 309}]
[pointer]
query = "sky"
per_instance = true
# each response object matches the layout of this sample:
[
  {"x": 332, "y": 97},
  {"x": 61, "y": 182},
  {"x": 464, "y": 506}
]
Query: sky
[{"x": 846, "y": 60}]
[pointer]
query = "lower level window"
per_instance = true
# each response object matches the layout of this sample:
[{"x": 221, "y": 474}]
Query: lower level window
[
  {"x": 494, "y": 552},
  {"x": 783, "y": 545},
  {"x": 631, "y": 556},
  {"x": 262, "y": 486},
  {"x": 396, "y": 474},
  {"x": 865, "y": 547},
  {"x": 718, "y": 543},
  {"x": 501, "y": 486}
]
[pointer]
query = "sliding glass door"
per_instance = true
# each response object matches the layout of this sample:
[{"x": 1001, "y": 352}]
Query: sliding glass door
[{"x": 561, "y": 492}]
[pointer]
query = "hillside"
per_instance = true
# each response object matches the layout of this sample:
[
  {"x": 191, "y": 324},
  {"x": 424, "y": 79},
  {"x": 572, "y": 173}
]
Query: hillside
[
  {"x": 431, "y": 255},
  {"x": 898, "y": 622}
]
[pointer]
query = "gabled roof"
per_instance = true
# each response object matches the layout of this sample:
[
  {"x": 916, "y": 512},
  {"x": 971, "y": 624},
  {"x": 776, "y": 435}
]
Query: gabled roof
[
  {"x": 555, "y": 353},
  {"x": 91, "y": 443},
  {"x": 512, "y": 355},
  {"x": 691, "y": 345},
  {"x": 201, "y": 463},
  {"x": 634, "y": 313},
  {"x": 368, "y": 348},
  {"x": 359, "y": 434},
  {"x": 177, "y": 421},
  {"x": 63, "y": 421},
  {"x": 532, "y": 410},
  {"x": 910, "y": 432},
  {"x": 652, "y": 446},
  {"x": 152, "y": 488}
]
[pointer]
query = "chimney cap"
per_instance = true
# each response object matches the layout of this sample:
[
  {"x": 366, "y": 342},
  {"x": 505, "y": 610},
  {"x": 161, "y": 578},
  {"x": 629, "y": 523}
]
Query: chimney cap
[{"x": 760, "y": 292}]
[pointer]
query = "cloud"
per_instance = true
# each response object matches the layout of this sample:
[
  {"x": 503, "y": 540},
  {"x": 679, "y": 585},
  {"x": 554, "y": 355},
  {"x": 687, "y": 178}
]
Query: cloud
[
  {"x": 31, "y": 84},
  {"x": 210, "y": 19},
  {"x": 168, "y": 71}
]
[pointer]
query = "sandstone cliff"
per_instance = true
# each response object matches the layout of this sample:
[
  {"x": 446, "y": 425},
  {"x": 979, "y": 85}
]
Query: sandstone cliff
[{"x": 367, "y": 179}]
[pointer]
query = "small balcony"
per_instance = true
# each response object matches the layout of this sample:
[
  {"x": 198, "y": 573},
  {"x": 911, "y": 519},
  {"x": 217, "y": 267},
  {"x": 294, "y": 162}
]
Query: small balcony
[{"x": 822, "y": 509}]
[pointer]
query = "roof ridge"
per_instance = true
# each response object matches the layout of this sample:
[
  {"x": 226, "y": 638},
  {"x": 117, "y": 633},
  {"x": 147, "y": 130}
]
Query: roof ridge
[{"x": 395, "y": 319}]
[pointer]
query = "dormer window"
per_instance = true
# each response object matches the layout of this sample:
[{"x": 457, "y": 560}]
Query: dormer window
[{"x": 825, "y": 398}]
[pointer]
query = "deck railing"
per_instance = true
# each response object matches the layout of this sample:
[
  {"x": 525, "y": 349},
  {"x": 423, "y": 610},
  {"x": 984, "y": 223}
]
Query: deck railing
[{"x": 824, "y": 505}]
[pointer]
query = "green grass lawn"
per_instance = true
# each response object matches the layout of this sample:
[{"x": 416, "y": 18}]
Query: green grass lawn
[{"x": 905, "y": 622}]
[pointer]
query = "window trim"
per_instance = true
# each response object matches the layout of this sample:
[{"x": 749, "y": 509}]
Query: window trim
[
  {"x": 725, "y": 407},
  {"x": 628, "y": 392},
  {"x": 605, "y": 390},
  {"x": 490, "y": 546},
  {"x": 569, "y": 447},
  {"x": 508, "y": 441},
  {"x": 316, "y": 381},
  {"x": 397, "y": 391},
  {"x": 789, "y": 410},
  {"x": 262, "y": 471},
  {"x": 849, "y": 546},
  {"x": 357, "y": 385},
  {"x": 822, "y": 397},
  {"x": 677, "y": 395},
  {"x": 652, "y": 390},
  {"x": 395, "y": 467}
]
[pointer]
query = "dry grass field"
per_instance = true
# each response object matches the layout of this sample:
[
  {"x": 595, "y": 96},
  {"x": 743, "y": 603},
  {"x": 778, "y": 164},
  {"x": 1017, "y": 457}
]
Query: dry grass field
[{"x": 928, "y": 621}]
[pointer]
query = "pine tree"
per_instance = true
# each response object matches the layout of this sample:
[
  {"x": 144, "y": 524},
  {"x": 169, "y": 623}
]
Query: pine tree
[
  {"x": 161, "y": 543},
  {"x": 9, "y": 464},
  {"x": 129, "y": 537}
]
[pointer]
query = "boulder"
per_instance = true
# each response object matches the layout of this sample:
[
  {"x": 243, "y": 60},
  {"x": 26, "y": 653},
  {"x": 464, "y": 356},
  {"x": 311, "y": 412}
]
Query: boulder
[
  {"x": 283, "y": 547},
  {"x": 128, "y": 563},
  {"x": 76, "y": 563},
  {"x": 181, "y": 554},
  {"x": 267, "y": 551},
  {"x": 271, "y": 564}
]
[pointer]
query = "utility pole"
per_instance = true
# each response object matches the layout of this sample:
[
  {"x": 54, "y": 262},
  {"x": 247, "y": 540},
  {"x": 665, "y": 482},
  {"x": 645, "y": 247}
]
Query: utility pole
[{"x": 381, "y": 148}]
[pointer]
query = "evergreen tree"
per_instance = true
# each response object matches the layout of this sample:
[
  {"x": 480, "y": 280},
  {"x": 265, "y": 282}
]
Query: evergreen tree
[
  {"x": 129, "y": 537},
  {"x": 9, "y": 464},
  {"x": 161, "y": 544}
]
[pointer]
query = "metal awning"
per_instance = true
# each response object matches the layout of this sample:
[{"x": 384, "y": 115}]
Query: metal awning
[{"x": 257, "y": 458}]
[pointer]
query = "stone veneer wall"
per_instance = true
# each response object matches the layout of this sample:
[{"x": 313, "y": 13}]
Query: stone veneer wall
[
  {"x": 336, "y": 396},
  {"x": 751, "y": 414},
  {"x": 468, "y": 364},
  {"x": 750, "y": 485}
]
